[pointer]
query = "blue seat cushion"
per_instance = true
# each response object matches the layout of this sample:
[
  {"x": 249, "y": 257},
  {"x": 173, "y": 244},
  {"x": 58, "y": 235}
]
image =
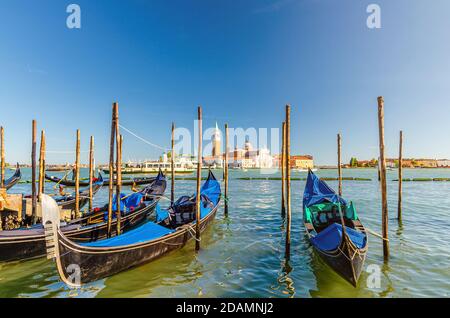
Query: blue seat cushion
[{"x": 330, "y": 238}]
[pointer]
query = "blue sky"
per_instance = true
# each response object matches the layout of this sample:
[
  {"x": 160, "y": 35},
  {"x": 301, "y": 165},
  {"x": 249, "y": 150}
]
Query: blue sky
[{"x": 241, "y": 60}]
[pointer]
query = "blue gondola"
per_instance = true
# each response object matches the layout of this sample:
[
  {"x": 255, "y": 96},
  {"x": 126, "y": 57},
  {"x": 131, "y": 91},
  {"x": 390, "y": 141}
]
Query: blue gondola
[
  {"x": 334, "y": 229},
  {"x": 171, "y": 230}
]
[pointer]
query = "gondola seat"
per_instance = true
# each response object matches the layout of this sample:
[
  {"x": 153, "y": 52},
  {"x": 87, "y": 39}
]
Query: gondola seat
[{"x": 330, "y": 238}]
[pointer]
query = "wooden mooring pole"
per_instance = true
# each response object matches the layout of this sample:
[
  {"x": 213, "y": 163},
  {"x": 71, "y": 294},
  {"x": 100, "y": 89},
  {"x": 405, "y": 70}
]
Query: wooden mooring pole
[
  {"x": 91, "y": 171},
  {"x": 111, "y": 170},
  {"x": 41, "y": 178},
  {"x": 400, "y": 177},
  {"x": 119, "y": 142},
  {"x": 77, "y": 176},
  {"x": 33, "y": 173},
  {"x": 383, "y": 179},
  {"x": 339, "y": 144},
  {"x": 2, "y": 155},
  {"x": 172, "y": 167},
  {"x": 225, "y": 167},
  {"x": 283, "y": 169},
  {"x": 288, "y": 180},
  {"x": 118, "y": 168},
  {"x": 199, "y": 178}
]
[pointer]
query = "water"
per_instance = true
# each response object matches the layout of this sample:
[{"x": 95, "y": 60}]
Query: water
[{"x": 243, "y": 255}]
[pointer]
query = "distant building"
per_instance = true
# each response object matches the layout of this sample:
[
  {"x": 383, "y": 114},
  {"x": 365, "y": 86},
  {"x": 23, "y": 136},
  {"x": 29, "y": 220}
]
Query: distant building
[
  {"x": 443, "y": 163},
  {"x": 297, "y": 161}
]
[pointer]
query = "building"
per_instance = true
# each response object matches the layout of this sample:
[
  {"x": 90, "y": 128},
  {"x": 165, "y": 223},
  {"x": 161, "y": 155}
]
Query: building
[
  {"x": 302, "y": 162},
  {"x": 443, "y": 163},
  {"x": 297, "y": 161}
]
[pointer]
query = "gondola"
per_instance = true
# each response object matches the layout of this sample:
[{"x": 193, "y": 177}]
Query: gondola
[
  {"x": 96, "y": 260},
  {"x": 343, "y": 248},
  {"x": 10, "y": 182},
  {"x": 125, "y": 182},
  {"x": 67, "y": 202},
  {"x": 22, "y": 244}
]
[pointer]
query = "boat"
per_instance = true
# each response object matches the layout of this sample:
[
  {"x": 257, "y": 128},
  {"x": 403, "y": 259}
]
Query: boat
[
  {"x": 125, "y": 182},
  {"x": 67, "y": 202},
  {"x": 181, "y": 166},
  {"x": 29, "y": 243},
  {"x": 11, "y": 181},
  {"x": 304, "y": 170},
  {"x": 96, "y": 260},
  {"x": 334, "y": 229}
]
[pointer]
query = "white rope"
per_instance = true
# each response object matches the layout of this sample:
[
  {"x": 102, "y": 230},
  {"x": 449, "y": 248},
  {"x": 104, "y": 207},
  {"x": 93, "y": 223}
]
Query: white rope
[
  {"x": 376, "y": 234},
  {"x": 142, "y": 139},
  {"x": 64, "y": 151}
]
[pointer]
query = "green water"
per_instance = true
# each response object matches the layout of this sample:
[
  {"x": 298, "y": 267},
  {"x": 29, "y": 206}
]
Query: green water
[{"x": 243, "y": 255}]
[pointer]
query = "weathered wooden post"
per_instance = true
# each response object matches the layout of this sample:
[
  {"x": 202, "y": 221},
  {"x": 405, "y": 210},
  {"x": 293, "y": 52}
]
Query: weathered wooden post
[
  {"x": 172, "y": 167},
  {"x": 43, "y": 164},
  {"x": 111, "y": 169},
  {"x": 118, "y": 168},
  {"x": 383, "y": 179},
  {"x": 91, "y": 171},
  {"x": 33, "y": 173},
  {"x": 400, "y": 177},
  {"x": 283, "y": 169},
  {"x": 225, "y": 167},
  {"x": 339, "y": 164},
  {"x": 199, "y": 178},
  {"x": 378, "y": 169},
  {"x": 288, "y": 181},
  {"x": 77, "y": 176},
  {"x": 41, "y": 178},
  {"x": 119, "y": 179},
  {"x": 2, "y": 151}
]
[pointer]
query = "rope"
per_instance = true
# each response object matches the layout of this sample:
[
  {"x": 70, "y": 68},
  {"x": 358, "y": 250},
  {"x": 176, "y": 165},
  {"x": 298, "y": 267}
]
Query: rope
[
  {"x": 64, "y": 151},
  {"x": 142, "y": 139},
  {"x": 377, "y": 235},
  {"x": 67, "y": 173},
  {"x": 189, "y": 227},
  {"x": 226, "y": 199}
]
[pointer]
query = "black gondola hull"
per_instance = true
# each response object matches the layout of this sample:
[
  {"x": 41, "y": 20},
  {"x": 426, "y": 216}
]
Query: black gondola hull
[
  {"x": 32, "y": 246},
  {"x": 14, "y": 179},
  {"x": 127, "y": 182},
  {"x": 98, "y": 263},
  {"x": 346, "y": 260},
  {"x": 29, "y": 244}
]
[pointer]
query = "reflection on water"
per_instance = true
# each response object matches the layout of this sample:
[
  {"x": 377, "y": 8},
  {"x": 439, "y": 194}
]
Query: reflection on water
[{"x": 242, "y": 255}]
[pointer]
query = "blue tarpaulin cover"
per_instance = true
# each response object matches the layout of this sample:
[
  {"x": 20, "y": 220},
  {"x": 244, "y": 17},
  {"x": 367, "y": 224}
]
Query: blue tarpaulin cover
[
  {"x": 146, "y": 232},
  {"x": 330, "y": 238},
  {"x": 150, "y": 230},
  {"x": 211, "y": 189},
  {"x": 317, "y": 191},
  {"x": 130, "y": 203},
  {"x": 161, "y": 214}
]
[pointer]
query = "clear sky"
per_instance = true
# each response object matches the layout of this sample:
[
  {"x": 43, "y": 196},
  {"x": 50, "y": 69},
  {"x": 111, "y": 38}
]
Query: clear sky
[{"x": 241, "y": 60}]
